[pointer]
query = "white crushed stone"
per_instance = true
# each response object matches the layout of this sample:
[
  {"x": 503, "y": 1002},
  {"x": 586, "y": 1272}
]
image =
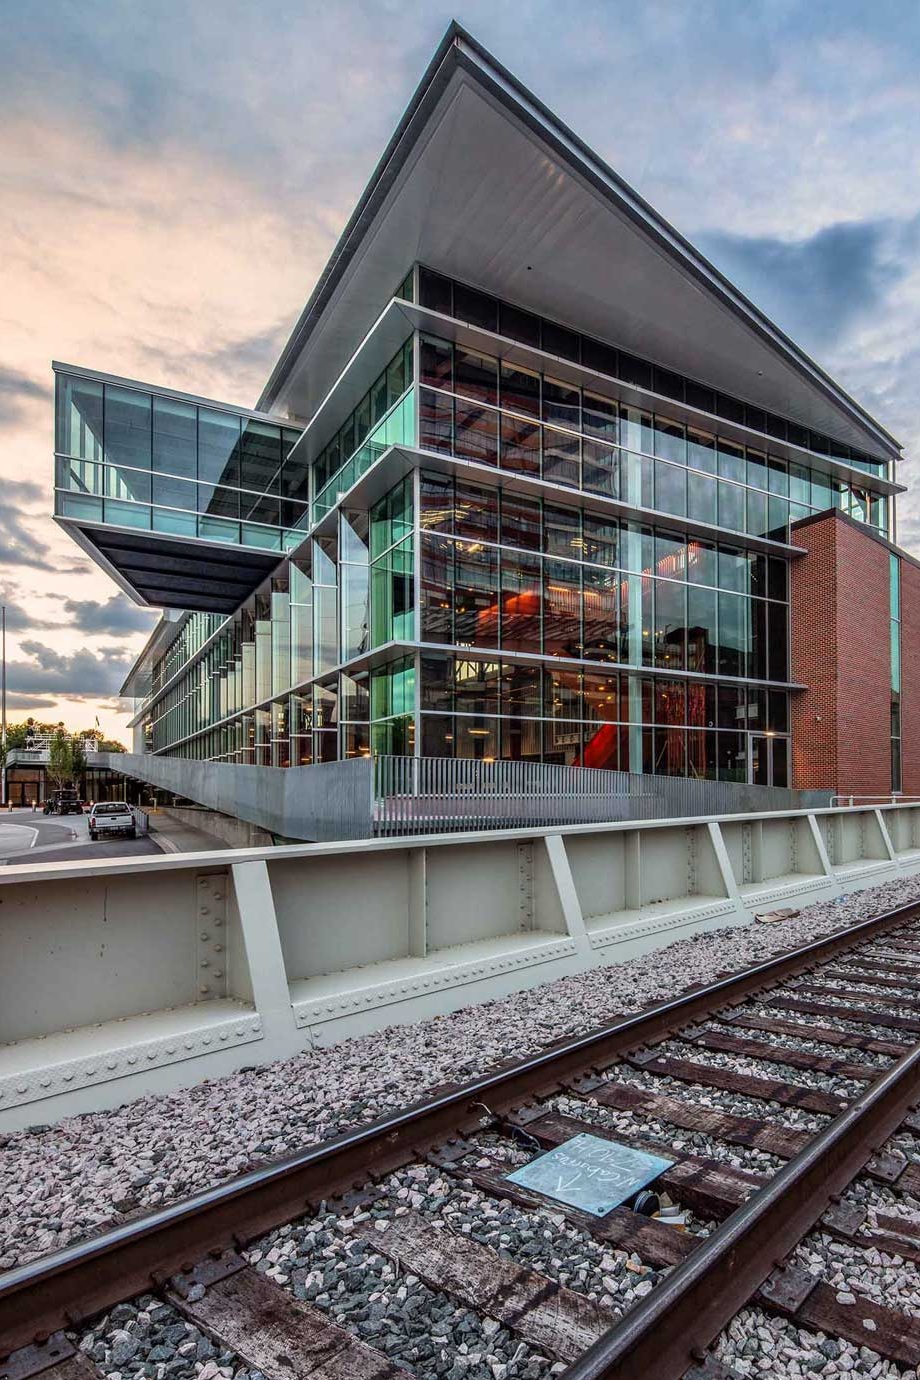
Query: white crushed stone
[{"x": 61, "y": 1183}]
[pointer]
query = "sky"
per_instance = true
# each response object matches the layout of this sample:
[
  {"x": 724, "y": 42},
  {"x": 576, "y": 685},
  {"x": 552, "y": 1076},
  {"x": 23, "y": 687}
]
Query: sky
[{"x": 174, "y": 175}]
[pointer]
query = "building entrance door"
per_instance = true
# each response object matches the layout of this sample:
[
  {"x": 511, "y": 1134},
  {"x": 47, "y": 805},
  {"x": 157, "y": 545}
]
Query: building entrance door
[{"x": 767, "y": 760}]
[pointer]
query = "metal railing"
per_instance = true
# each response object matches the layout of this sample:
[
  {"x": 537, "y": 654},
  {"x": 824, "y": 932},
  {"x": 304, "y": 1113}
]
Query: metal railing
[
  {"x": 433, "y": 795},
  {"x": 889, "y": 798}
]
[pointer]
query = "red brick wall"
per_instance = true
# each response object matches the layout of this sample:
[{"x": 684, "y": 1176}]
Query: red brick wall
[
  {"x": 840, "y": 651},
  {"x": 910, "y": 677},
  {"x": 813, "y": 617},
  {"x": 863, "y": 664}
]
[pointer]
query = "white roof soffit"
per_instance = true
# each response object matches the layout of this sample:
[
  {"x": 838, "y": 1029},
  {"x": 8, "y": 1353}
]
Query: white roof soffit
[{"x": 481, "y": 182}]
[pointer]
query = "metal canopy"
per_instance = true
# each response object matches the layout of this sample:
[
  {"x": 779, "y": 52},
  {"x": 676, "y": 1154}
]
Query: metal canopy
[
  {"x": 165, "y": 572},
  {"x": 481, "y": 182}
]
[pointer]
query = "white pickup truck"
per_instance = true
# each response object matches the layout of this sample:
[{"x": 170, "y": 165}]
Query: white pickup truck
[{"x": 112, "y": 817}]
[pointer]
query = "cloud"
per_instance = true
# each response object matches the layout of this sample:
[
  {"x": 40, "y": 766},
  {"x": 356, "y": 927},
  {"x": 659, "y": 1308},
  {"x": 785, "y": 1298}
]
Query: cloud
[
  {"x": 29, "y": 704},
  {"x": 113, "y": 616},
  {"x": 19, "y": 544},
  {"x": 56, "y": 673},
  {"x": 16, "y": 390},
  {"x": 818, "y": 288}
]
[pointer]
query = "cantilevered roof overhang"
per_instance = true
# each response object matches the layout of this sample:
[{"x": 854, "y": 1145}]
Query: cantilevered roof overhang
[
  {"x": 481, "y": 182},
  {"x": 173, "y": 572}
]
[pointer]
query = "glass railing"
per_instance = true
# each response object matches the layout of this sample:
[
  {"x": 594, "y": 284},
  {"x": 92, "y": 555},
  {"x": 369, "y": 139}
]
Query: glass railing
[
  {"x": 397, "y": 428},
  {"x": 80, "y": 493}
]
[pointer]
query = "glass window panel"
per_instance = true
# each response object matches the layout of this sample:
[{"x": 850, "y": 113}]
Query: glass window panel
[
  {"x": 635, "y": 371},
  {"x": 132, "y": 484},
  {"x": 702, "y": 563},
  {"x": 757, "y": 469},
  {"x": 778, "y": 476},
  {"x": 731, "y": 460},
  {"x": 780, "y": 749},
  {"x": 127, "y": 427},
  {"x": 265, "y": 509},
  {"x": 702, "y": 398},
  {"x": 701, "y": 498},
  {"x": 756, "y": 513},
  {"x": 476, "y": 512},
  {"x": 127, "y": 514},
  {"x": 670, "y": 440},
  {"x": 702, "y": 634},
  {"x": 436, "y": 417},
  {"x": 437, "y": 688},
  {"x": 701, "y": 451},
  {"x": 668, "y": 385},
  {"x": 521, "y": 739},
  {"x": 78, "y": 423},
  {"x": 396, "y": 385},
  {"x": 600, "y": 417},
  {"x": 602, "y": 358},
  {"x": 778, "y": 711},
  {"x": 437, "y": 588},
  {"x": 601, "y": 537},
  {"x": 823, "y": 491},
  {"x": 731, "y": 507},
  {"x": 174, "y": 493},
  {"x": 475, "y": 375},
  {"x": 670, "y": 556},
  {"x": 670, "y": 488},
  {"x": 558, "y": 340},
  {"x": 437, "y": 502},
  {"x": 476, "y": 435},
  {"x": 732, "y": 635},
  {"x": 733, "y": 569},
  {"x": 778, "y": 667},
  {"x": 636, "y": 430},
  {"x": 562, "y": 694},
  {"x": 477, "y": 738},
  {"x": 561, "y": 457},
  {"x": 778, "y": 519},
  {"x": 757, "y": 664},
  {"x": 670, "y": 752},
  {"x": 175, "y": 437},
  {"x": 561, "y": 531},
  {"x": 223, "y": 502},
  {"x": 434, "y": 291},
  {"x": 601, "y": 697},
  {"x": 519, "y": 325},
  {"x": 267, "y": 538},
  {"x": 562, "y": 606},
  {"x": 521, "y": 523},
  {"x": 260, "y": 457},
  {"x": 475, "y": 596},
  {"x": 520, "y": 445},
  {"x": 218, "y": 447},
  {"x": 476, "y": 686},
  {"x": 521, "y": 586},
  {"x": 601, "y": 614},
  {"x": 670, "y": 624},
  {"x": 478, "y": 308},
  {"x": 757, "y": 573},
  {"x": 600, "y": 468},
  {"x": 701, "y": 755},
  {"x": 437, "y": 735},
  {"x": 183, "y": 524},
  {"x": 520, "y": 390},
  {"x": 521, "y": 689},
  {"x": 732, "y": 759},
  {"x": 561, "y": 403},
  {"x": 378, "y": 399}
]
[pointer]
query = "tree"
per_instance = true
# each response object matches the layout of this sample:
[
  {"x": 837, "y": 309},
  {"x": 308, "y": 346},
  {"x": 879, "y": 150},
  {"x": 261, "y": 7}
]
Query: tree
[
  {"x": 60, "y": 760},
  {"x": 110, "y": 745}
]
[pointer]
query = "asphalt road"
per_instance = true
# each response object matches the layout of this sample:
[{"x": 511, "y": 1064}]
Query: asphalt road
[{"x": 33, "y": 838}]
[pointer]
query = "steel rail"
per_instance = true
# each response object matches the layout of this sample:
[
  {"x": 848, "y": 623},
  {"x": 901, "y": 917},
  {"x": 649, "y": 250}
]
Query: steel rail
[
  {"x": 81, "y": 1280},
  {"x": 669, "y": 1329}
]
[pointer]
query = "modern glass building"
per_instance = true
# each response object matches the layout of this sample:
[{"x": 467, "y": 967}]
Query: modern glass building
[{"x": 523, "y": 484}]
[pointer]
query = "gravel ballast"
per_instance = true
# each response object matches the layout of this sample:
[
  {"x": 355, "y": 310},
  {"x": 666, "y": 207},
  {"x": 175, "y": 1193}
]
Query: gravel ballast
[{"x": 61, "y": 1183}]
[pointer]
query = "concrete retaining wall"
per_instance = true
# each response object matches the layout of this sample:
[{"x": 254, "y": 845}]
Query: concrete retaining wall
[{"x": 146, "y": 974}]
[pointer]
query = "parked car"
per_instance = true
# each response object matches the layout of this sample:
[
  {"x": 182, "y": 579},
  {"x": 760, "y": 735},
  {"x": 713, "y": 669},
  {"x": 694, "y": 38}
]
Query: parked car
[
  {"x": 63, "y": 802},
  {"x": 112, "y": 817}
]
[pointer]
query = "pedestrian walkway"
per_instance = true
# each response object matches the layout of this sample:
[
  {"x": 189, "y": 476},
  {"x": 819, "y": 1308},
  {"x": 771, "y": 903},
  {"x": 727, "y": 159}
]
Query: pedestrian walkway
[{"x": 174, "y": 836}]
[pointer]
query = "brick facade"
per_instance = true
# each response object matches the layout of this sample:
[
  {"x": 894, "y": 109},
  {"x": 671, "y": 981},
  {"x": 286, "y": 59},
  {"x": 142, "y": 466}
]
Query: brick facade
[
  {"x": 839, "y": 596},
  {"x": 910, "y": 677}
]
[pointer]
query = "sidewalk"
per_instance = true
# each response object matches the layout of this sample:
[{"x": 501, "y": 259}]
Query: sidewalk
[{"x": 172, "y": 836}]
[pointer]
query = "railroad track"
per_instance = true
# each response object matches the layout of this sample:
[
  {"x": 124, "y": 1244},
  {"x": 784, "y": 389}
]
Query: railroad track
[{"x": 781, "y": 1100}]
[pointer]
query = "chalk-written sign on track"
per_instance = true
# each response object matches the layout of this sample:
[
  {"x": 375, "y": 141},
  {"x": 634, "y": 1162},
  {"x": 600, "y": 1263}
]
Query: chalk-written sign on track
[{"x": 589, "y": 1173}]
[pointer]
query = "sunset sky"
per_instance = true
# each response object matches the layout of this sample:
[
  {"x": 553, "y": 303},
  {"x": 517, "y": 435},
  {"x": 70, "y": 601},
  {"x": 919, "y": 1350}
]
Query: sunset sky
[{"x": 174, "y": 175}]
